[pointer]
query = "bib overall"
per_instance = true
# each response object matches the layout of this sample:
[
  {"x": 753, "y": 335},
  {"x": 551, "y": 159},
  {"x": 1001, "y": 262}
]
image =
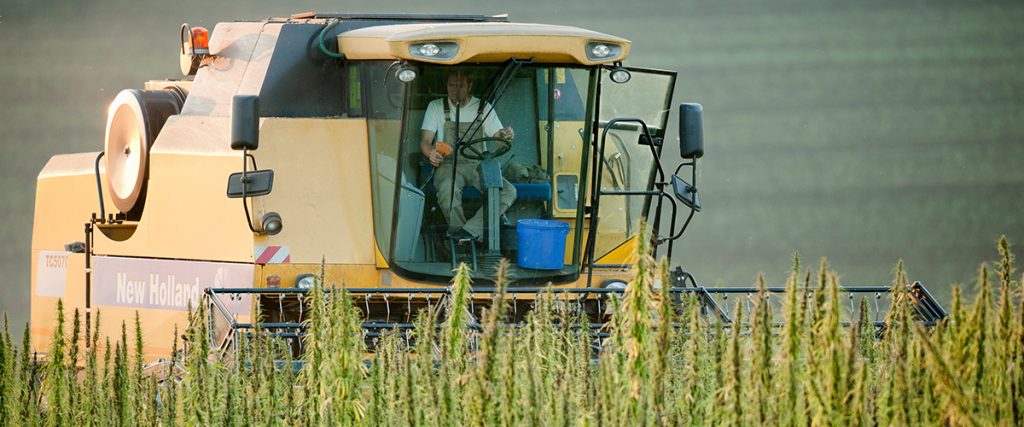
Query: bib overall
[{"x": 467, "y": 174}]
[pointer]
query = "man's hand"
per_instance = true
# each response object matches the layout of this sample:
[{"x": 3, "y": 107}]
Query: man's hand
[
  {"x": 506, "y": 133},
  {"x": 434, "y": 157},
  {"x": 428, "y": 150}
]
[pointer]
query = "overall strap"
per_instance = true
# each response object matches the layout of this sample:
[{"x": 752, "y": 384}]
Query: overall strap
[
  {"x": 447, "y": 110},
  {"x": 451, "y": 128}
]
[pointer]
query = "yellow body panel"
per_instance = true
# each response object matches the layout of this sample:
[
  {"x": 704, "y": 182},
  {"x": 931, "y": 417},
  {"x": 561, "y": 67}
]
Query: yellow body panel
[
  {"x": 321, "y": 189},
  {"x": 480, "y": 42},
  {"x": 394, "y": 281},
  {"x": 187, "y": 215},
  {"x": 381, "y": 261},
  {"x": 65, "y": 199},
  {"x": 567, "y": 149},
  {"x": 44, "y": 305},
  {"x": 232, "y": 47},
  {"x": 335, "y": 275},
  {"x": 622, "y": 254}
]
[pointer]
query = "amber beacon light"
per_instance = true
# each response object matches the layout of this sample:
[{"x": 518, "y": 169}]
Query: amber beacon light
[{"x": 195, "y": 45}]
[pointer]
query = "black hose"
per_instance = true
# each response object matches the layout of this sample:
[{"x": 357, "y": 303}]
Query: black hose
[{"x": 99, "y": 186}]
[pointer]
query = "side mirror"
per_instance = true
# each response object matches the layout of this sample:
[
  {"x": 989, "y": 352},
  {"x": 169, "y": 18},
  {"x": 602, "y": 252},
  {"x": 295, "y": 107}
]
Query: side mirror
[
  {"x": 691, "y": 131},
  {"x": 245, "y": 122},
  {"x": 250, "y": 184},
  {"x": 686, "y": 193}
]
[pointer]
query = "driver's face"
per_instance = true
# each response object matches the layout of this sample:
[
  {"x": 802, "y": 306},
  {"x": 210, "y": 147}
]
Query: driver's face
[{"x": 458, "y": 88}]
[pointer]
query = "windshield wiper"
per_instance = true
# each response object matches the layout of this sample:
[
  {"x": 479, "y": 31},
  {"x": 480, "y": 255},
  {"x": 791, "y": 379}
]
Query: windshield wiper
[{"x": 498, "y": 86}]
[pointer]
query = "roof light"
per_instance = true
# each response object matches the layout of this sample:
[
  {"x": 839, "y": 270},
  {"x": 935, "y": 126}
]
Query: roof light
[
  {"x": 434, "y": 50},
  {"x": 620, "y": 75},
  {"x": 603, "y": 51},
  {"x": 406, "y": 73},
  {"x": 429, "y": 49}
]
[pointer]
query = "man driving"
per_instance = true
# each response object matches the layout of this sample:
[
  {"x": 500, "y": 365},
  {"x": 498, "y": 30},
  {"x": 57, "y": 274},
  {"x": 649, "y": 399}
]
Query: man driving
[{"x": 457, "y": 114}]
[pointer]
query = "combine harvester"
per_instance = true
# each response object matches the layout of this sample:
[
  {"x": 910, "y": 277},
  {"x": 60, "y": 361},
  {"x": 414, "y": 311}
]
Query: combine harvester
[{"x": 296, "y": 144}]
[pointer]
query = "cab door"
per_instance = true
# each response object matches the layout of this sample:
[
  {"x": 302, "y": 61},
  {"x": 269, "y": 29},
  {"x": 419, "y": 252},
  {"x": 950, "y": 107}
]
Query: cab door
[{"x": 629, "y": 160}]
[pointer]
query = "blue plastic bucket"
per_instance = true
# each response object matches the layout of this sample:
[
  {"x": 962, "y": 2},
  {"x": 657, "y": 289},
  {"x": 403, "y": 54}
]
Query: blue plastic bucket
[{"x": 542, "y": 243}]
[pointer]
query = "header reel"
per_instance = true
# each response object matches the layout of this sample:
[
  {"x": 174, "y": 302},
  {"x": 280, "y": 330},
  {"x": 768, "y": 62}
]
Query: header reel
[{"x": 285, "y": 310}]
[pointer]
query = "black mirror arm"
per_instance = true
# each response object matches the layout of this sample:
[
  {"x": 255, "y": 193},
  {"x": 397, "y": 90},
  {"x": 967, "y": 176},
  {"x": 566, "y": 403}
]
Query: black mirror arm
[
  {"x": 245, "y": 184},
  {"x": 672, "y": 226},
  {"x": 682, "y": 229},
  {"x": 693, "y": 173},
  {"x": 253, "y": 158},
  {"x": 693, "y": 190},
  {"x": 692, "y": 162}
]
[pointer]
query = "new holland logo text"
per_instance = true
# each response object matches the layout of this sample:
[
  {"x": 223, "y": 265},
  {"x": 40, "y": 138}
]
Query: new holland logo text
[
  {"x": 164, "y": 291},
  {"x": 163, "y": 284}
]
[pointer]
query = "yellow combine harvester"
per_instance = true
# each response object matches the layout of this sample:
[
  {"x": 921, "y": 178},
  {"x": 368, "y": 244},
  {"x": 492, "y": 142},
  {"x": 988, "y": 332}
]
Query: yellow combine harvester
[{"x": 387, "y": 149}]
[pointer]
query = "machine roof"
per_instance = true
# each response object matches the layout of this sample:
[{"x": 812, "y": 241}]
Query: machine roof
[{"x": 481, "y": 42}]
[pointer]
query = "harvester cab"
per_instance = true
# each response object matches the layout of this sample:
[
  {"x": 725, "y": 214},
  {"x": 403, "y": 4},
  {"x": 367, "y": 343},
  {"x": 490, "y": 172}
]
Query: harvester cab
[
  {"x": 498, "y": 191},
  {"x": 377, "y": 152}
]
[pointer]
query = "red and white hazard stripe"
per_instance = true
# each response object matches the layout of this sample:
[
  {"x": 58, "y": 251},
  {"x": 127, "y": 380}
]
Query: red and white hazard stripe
[{"x": 272, "y": 255}]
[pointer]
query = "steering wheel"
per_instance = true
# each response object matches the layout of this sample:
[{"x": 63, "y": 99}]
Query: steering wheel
[{"x": 468, "y": 150}]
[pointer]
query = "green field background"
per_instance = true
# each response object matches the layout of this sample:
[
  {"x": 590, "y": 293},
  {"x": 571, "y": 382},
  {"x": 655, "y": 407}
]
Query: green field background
[{"x": 864, "y": 131}]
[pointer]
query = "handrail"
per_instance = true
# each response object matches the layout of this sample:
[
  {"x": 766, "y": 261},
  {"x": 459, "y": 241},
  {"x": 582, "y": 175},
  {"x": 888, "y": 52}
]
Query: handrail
[{"x": 597, "y": 192}]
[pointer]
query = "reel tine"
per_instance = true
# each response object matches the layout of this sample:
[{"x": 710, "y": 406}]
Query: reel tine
[
  {"x": 408, "y": 309},
  {"x": 280, "y": 306},
  {"x": 878, "y": 296},
  {"x": 366, "y": 300},
  {"x": 387, "y": 305},
  {"x": 302, "y": 304}
]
